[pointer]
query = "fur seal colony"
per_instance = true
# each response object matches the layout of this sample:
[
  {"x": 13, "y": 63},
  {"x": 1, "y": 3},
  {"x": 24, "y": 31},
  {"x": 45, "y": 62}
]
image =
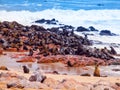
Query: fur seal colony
[{"x": 49, "y": 42}]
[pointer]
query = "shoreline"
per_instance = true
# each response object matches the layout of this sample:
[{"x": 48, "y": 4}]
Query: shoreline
[{"x": 56, "y": 81}]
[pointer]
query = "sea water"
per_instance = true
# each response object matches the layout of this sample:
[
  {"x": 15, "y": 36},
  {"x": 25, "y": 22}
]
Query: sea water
[{"x": 101, "y": 14}]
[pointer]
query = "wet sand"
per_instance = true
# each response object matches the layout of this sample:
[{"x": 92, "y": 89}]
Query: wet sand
[{"x": 8, "y": 61}]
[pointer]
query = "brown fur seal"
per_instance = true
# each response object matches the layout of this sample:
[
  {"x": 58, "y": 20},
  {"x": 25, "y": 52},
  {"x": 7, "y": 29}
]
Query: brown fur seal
[
  {"x": 97, "y": 71},
  {"x": 25, "y": 69}
]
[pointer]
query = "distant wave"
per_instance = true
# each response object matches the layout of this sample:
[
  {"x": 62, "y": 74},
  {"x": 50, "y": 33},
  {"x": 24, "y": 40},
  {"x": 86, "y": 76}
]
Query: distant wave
[
  {"x": 38, "y": 5},
  {"x": 100, "y": 19}
]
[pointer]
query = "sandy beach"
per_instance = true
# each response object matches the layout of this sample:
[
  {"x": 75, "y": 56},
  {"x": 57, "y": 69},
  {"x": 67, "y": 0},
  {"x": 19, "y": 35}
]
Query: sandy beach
[{"x": 82, "y": 82}]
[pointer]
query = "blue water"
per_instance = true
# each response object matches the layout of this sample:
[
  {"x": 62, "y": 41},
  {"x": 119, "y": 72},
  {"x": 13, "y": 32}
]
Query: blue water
[{"x": 38, "y": 5}]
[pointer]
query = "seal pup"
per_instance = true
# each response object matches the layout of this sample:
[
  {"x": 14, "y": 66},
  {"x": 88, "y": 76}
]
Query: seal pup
[{"x": 25, "y": 69}]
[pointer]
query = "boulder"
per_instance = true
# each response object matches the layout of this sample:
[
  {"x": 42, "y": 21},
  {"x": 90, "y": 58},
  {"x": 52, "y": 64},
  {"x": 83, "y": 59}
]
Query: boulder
[
  {"x": 91, "y": 28},
  {"x": 82, "y": 29},
  {"x": 52, "y": 21},
  {"x": 15, "y": 85},
  {"x": 41, "y": 21},
  {"x": 52, "y": 83},
  {"x": 106, "y": 32},
  {"x": 37, "y": 76}
]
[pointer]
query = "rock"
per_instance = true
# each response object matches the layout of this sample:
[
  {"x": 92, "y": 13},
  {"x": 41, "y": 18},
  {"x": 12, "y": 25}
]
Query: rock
[
  {"x": 37, "y": 76},
  {"x": 40, "y": 21},
  {"x": 102, "y": 87},
  {"x": 51, "y": 82},
  {"x": 91, "y": 28},
  {"x": 71, "y": 84},
  {"x": 51, "y": 59},
  {"x": 26, "y": 59},
  {"x": 81, "y": 29},
  {"x": 11, "y": 49},
  {"x": 3, "y": 68},
  {"x": 97, "y": 71},
  {"x": 52, "y": 21},
  {"x": 15, "y": 85},
  {"x": 106, "y": 32},
  {"x": 116, "y": 70},
  {"x": 85, "y": 74}
]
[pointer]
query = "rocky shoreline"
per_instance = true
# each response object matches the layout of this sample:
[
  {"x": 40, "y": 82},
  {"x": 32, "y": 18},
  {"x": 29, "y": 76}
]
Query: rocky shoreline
[
  {"x": 53, "y": 45},
  {"x": 11, "y": 80}
]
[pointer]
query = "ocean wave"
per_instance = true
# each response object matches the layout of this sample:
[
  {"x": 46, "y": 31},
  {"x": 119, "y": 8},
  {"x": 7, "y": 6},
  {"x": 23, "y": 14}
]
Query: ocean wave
[{"x": 100, "y": 19}]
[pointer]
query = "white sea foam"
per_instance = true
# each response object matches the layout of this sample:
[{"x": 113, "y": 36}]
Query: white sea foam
[{"x": 100, "y": 19}]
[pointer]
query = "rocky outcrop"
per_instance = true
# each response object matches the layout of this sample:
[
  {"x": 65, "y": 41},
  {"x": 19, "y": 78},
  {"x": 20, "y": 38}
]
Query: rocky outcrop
[
  {"x": 91, "y": 28},
  {"x": 74, "y": 60},
  {"x": 106, "y": 32},
  {"x": 26, "y": 59},
  {"x": 37, "y": 76},
  {"x": 81, "y": 29},
  {"x": 52, "y": 21}
]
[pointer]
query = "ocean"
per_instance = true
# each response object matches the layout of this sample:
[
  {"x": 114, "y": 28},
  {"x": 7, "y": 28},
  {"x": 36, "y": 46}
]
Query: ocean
[{"x": 102, "y": 14}]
